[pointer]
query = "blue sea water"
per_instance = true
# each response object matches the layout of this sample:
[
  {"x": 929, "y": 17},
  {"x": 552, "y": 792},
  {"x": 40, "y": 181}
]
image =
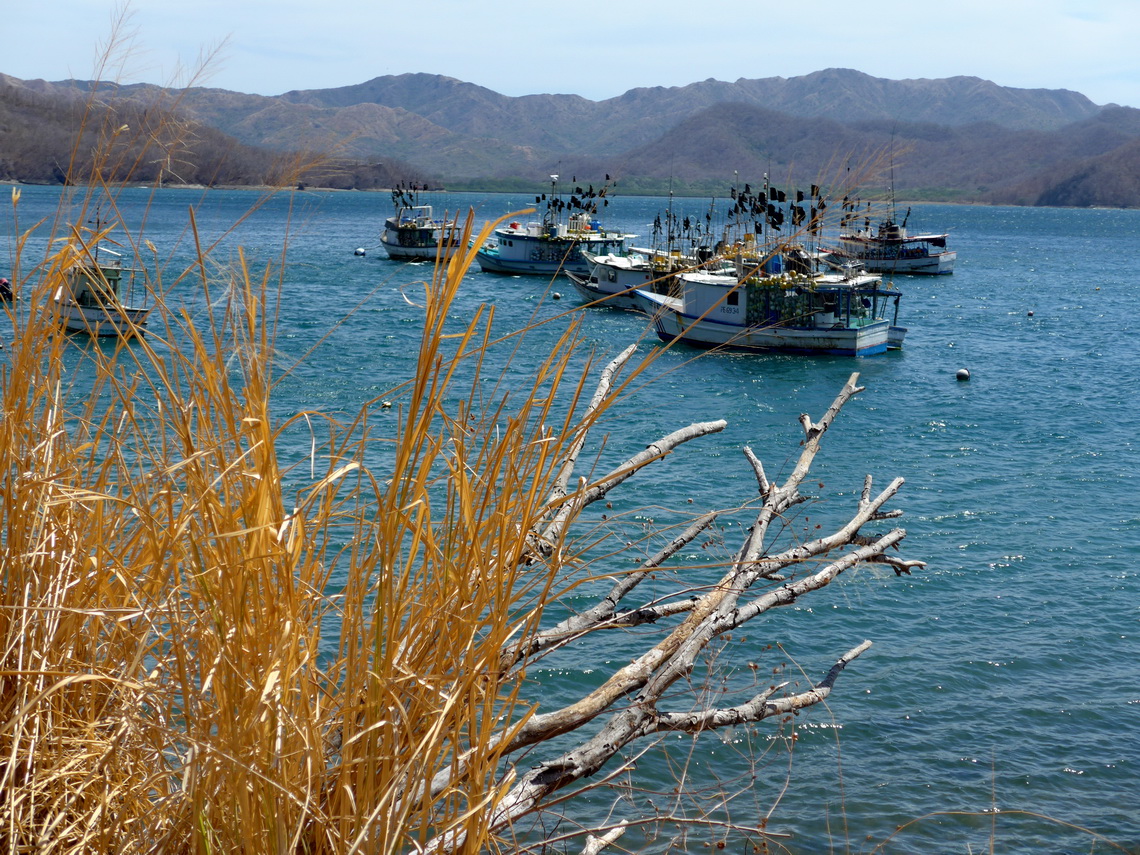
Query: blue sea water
[{"x": 1004, "y": 680}]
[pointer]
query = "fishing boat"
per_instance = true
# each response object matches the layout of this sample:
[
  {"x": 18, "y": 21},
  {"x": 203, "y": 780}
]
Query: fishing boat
[
  {"x": 95, "y": 294},
  {"x": 889, "y": 248},
  {"x": 843, "y": 314},
  {"x": 553, "y": 245},
  {"x": 614, "y": 278},
  {"x": 413, "y": 233}
]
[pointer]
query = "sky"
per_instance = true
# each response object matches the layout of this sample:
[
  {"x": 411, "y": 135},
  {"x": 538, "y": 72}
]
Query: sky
[{"x": 595, "y": 50}]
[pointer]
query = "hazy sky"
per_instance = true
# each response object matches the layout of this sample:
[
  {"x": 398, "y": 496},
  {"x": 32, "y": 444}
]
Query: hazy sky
[{"x": 595, "y": 49}]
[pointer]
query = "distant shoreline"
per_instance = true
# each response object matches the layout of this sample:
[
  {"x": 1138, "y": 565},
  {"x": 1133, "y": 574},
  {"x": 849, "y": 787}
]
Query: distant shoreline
[{"x": 269, "y": 188}]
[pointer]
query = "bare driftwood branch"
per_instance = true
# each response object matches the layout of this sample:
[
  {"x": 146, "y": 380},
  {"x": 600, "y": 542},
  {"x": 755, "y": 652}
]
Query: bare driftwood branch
[
  {"x": 605, "y": 385},
  {"x": 571, "y": 506},
  {"x": 594, "y": 845},
  {"x": 760, "y": 707},
  {"x": 627, "y": 707},
  {"x": 605, "y": 614}
]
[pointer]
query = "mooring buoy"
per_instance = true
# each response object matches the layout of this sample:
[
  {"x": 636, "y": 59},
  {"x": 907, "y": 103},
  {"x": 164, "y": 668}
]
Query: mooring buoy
[{"x": 963, "y": 374}]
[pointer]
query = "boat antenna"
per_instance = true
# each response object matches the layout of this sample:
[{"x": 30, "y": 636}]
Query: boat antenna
[{"x": 892, "y": 187}]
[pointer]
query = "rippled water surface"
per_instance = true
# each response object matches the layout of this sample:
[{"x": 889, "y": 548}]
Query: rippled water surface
[{"x": 1007, "y": 673}]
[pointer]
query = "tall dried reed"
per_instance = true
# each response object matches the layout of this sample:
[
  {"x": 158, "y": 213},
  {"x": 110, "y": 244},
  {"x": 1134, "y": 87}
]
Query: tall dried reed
[{"x": 167, "y": 680}]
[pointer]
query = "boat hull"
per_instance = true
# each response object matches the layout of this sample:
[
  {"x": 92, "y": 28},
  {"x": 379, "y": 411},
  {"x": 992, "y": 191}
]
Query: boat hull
[
  {"x": 121, "y": 322},
  {"x": 431, "y": 252},
  {"x": 940, "y": 264},
  {"x": 591, "y": 291},
  {"x": 519, "y": 254},
  {"x": 864, "y": 341},
  {"x": 672, "y": 324}
]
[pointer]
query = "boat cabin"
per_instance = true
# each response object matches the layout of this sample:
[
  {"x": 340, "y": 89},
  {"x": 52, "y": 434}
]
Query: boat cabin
[
  {"x": 96, "y": 296},
  {"x": 820, "y": 302}
]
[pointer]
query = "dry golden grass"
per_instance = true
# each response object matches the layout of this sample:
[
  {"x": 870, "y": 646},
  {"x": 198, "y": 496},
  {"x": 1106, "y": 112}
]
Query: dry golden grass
[
  {"x": 164, "y": 590},
  {"x": 165, "y": 586}
]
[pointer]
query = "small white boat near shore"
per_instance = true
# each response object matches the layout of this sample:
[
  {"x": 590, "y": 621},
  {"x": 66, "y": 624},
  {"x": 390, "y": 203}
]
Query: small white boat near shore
[{"x": 94, "y": 298}]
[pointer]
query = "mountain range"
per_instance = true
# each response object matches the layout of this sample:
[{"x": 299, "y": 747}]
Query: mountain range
[{"x": 958, "y": 138}]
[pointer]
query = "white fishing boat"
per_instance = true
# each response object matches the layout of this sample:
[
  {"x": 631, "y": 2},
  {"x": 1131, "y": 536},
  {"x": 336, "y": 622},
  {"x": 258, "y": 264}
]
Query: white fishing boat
[
  {"x": 553, "y": 245},
  {"x": 844, "y": 314},
  {"x": 614, "y": 278},
  {"x": 95, "y": 297},
  {"x": 889, "y": 247},
  {"x": 413, "y": 233}
]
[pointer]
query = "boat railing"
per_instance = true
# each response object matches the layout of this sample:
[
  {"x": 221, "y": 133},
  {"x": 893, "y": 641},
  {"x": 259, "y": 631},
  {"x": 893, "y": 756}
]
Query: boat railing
[
  {"x": 102, "y": 281},
  {"x": 414, "y": 217}
]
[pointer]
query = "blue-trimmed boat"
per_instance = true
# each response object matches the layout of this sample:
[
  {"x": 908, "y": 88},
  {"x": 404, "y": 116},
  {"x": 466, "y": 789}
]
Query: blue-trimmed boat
[{"x": 553, "y": 245}]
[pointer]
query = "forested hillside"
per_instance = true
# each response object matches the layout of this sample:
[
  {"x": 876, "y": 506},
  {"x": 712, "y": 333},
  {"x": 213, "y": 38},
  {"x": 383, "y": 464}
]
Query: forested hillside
[
  {"x": 959, "y": 138},
  {"x": 50, "y": 137}
]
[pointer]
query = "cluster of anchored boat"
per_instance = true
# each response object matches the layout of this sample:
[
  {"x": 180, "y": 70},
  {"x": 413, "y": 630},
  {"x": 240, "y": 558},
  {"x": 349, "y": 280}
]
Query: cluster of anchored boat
[{"x": 748, "y": 288}]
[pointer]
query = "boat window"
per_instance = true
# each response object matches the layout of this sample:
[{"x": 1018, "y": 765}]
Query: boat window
[{"x": 733, "y": 298}]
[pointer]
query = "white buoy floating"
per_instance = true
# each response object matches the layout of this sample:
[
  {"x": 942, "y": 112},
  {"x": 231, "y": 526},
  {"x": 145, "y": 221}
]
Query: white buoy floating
[
  {"x": 963, "y": 374},
  {"x": 360, "y": 251}
]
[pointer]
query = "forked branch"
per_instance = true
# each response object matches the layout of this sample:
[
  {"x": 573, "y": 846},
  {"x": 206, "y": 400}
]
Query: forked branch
[{"x": 757, "y": 580}]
